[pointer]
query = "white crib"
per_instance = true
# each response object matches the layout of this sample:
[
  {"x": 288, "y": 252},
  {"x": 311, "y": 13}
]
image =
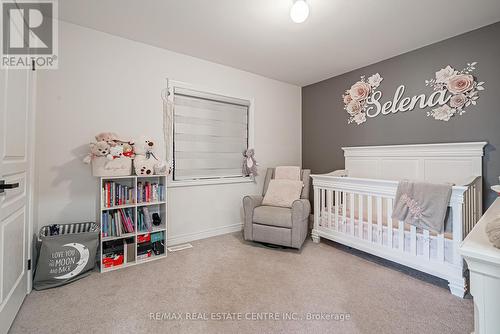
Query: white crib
[{"x": 356, "y": 210}]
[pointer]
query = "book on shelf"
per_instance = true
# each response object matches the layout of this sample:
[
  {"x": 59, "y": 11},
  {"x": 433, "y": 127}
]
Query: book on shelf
[
  {"x": 117, "y": 222},
  {"x": 114, "y": 194},
  {"x": 144, "y": 220},
  {"x": 150, "y": 192}
]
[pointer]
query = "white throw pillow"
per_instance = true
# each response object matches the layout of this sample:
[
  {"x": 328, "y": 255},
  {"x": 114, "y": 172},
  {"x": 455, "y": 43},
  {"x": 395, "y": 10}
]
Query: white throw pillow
[
  {"x": 287, "y": 173},
  {"x": 282, "y": 193}
]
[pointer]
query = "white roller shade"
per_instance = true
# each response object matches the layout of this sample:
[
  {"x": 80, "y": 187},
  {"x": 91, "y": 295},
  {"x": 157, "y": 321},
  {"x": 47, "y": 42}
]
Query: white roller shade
[{"x": 210, "y": 134}]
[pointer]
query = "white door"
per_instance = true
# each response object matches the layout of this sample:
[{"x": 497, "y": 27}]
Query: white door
[{"x": 16, "y": 133}]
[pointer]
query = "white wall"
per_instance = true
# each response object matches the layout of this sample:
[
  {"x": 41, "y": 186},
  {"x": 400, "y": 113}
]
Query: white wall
[{"x": 108, "y": 83}]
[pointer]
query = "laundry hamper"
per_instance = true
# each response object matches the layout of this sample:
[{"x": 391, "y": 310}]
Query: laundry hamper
[{"x": 67, "y": 256}]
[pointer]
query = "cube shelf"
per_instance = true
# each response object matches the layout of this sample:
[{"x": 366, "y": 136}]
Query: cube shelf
[{"x": 128, "y": 201}]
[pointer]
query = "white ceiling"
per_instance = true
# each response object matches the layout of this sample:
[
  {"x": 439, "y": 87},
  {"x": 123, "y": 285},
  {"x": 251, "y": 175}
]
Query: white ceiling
[{"x": 258, "y": 35}]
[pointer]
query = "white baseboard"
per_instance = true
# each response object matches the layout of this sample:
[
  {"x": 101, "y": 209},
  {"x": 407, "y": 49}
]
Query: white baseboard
[{"x": 183, "y": 238}]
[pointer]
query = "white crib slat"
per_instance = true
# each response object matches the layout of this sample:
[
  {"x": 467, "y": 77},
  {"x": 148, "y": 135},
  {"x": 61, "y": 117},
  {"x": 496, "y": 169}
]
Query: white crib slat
[
  {"x": 426, "y": 244},
  {"x": 401, "y": 236},
  {"x": 379, "y": 221},
  {"x": 440, "y": 247},
  {"x": 389, "y": 222},
  {"x": 317, "y": 208},
  {"x": 351, "y": 208},
  {"x": 344, "y": 211},
  {"x": 360, "y": 216},
  {"x": 337, "y": 207},
  {"x": 329, "y": 206},
  {"x": 323, "y": 208},
  {"x": 457, "y": 221},
  {"x": 413, "y": 240},
  {"x": 369, "y": 218}
]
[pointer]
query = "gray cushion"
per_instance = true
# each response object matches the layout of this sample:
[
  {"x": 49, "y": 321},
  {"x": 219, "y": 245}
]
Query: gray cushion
[{"x": 273, "y": 216}]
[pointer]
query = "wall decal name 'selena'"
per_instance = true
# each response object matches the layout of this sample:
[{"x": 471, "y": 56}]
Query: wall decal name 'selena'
[{"x": 453, "y": 92}]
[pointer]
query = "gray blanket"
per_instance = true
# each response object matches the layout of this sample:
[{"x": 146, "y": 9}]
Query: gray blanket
[{"x": 422, "y": 204}]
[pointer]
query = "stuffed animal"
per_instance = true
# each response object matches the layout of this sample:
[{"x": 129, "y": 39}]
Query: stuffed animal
[
  {"x": 161, "y": 168},
  {"x": 128, "y": 150},
  {"x": 249, "y": 163},
  {"x": 143, "y": 165},
  {"x": 144, "y": 146},
  {"x": 146, "y": 162},
  {"x": 99, "y": 149},
  {"x": 115, "y": 152},
  {"x": 108, "y": 137}
]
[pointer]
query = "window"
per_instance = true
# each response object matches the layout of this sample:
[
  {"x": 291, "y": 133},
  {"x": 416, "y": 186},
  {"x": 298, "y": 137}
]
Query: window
[{"x": 210, "y": 133}]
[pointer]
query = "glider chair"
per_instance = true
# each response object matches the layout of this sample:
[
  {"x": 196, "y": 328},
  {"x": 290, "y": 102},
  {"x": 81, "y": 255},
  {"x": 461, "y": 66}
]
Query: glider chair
[{"x": 278, "y": 225}]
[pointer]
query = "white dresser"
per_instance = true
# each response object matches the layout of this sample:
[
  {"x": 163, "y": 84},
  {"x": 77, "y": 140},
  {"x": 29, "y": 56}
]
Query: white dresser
[{"x": 483, "y": 260}]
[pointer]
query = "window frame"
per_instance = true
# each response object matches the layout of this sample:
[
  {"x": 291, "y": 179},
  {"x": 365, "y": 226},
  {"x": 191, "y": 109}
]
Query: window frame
[{"x": 171, "y": 84}]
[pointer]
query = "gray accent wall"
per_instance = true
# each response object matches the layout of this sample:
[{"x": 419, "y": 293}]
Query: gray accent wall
[{"x": 324, "y": 121}]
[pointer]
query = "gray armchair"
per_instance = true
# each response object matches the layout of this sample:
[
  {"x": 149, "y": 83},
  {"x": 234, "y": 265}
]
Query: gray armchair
[{"x": 277, "y": 225}]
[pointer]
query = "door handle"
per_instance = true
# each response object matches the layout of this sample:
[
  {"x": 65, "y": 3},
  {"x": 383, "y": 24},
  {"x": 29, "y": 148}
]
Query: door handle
[{"x": 4, "y": 186}]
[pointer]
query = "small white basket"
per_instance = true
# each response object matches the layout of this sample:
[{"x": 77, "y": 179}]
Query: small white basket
[{"x": 102, "y": 166}]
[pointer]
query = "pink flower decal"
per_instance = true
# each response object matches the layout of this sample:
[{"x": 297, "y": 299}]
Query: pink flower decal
[
  {"x": 462, "y": 86},
  {"x": 460, "y": 83},
  {"x": 356, "y": 98},
  {"x": 360, "y": 91},
  {"x": 458, "y": 101}
]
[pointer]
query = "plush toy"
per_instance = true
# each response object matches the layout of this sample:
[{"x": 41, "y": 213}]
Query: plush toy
[
  {"x": 161, "y": 168},
  {"x": 54, "y": 229},
  {"x": 145, "y": 161},
  {"x": 108, "y": 137},
  {"x": 143, "y": 165},
  {"x": 99, "y": 149},
  {"x": 249, "y": 163},
  {"x": 144, "y": 146},
  {"x": 115, "y": 152},
  {"x": 128, "y": 150}
]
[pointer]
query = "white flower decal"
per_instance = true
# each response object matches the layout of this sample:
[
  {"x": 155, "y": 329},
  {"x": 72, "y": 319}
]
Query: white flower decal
[
  {"x": 375, "y": 80},
  {"x": 443, "y": 113},
  {"x": 444, "y": 74},
  {"x": 360, "y": 118}
]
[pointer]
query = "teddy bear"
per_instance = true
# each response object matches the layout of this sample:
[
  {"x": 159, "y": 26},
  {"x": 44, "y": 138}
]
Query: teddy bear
[
  {"x": 249, "y": 163},
  {"x": 143, "y": 165},
  {"x": 128, "y": 149},
  {"x": 144, "y": 146},
  {"x": 99, "y": 149},
  {"x": 108, "y": 137},
  {"x": 145, "y": 161},
  {"x": 115, "y": 152}
]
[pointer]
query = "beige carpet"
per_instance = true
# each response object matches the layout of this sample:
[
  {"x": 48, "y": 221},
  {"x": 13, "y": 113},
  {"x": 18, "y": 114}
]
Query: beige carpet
[{"x": 226, "y": 274}]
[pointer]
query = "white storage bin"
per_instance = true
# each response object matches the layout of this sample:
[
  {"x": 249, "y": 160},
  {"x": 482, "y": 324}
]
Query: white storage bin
[{"x": 102, "y": 166}]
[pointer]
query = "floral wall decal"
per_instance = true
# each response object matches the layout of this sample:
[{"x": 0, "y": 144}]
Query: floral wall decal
[
  {"x": 356, "y": 98},
  {"x": 453, "y": 91},
  {"x": 462, "y": 86}
]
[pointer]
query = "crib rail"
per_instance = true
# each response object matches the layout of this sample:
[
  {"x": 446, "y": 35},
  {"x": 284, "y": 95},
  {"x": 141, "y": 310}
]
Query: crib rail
[
  {"x": 362, "y": 209},
  {"x": 473, "y": 205}
]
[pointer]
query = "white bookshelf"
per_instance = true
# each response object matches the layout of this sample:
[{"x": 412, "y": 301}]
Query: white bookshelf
[{"x": 157, "y": 206}]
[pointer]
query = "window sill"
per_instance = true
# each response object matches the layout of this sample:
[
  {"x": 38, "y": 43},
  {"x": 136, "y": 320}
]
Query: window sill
[{"x": 194, "y": 183}]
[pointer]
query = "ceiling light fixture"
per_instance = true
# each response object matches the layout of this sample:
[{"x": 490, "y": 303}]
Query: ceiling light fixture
[{"x": 299, "y": 11}]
